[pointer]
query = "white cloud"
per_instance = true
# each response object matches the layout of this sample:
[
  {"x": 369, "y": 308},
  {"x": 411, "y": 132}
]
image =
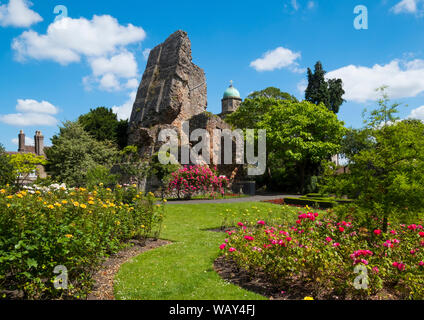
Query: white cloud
[
  {"x": 417, "y": 113},
  {"x": 31, "y": 113},
  {"x": 404, "y": 78},
  {"x": 28, "y": 141},
  {"x": 124, "y": 111},
  {"x": 302, "y": 85},
  {"x": 33, "y": 106},
  {"x": 295, "y": 5},
  {"x": 277, "y": 59},
  {"x": 28, "y": 119},
  {"x": 122, "y": 65},
  {"x": 132, "y": 84},
  {"x": 406, "y": 6},
  {"x": 101, "y": 41},
  {"x": 68, "y": 39},
  {"x": 311, "y": 5},
  {"x": 146, "y": 53},
  {"x": 17, "y": 14},
  {"x": 109, "y": 82}
]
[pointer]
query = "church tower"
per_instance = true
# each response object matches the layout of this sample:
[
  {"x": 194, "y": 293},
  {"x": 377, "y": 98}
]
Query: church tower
[{"x": 231, "y": 100}]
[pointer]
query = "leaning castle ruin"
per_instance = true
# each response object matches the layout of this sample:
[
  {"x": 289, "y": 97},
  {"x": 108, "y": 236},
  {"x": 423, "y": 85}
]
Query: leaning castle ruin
[{"x": 174, "y": 90}]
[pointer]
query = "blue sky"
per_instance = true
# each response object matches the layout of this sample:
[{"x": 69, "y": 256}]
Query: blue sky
[{"x": 53, "y": 71}]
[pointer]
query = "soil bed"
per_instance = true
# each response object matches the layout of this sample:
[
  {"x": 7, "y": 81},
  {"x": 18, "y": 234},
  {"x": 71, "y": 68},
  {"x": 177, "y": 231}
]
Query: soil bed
[
  {"x": 297, "y": 290},
  {"x": 103, "y": 279}
]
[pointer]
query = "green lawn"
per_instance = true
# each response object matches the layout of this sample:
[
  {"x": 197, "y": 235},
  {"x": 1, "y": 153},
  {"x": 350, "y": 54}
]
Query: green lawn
[{"x": 184, "y": 270}]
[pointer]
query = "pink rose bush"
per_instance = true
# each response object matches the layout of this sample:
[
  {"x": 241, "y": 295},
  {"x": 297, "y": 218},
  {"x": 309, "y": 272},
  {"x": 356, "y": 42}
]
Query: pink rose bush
[
  {"x": 322, "y": 254},
  {"x": 192, "y": 180}
]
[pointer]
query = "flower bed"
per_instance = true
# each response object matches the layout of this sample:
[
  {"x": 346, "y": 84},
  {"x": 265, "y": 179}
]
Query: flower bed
[
  {"x": 197, "y": 180},
  {"x": 332, "y": 259},
  {"x": 43, "y": 229}
]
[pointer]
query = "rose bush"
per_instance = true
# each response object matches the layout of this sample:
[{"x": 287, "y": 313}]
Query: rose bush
[
  {"x": 191, "y": 180},
  {"x": 321, "y": 253},
  {"x": 76, "y": 228}
]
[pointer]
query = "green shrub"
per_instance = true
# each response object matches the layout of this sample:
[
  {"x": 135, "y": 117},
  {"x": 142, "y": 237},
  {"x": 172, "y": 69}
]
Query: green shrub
[
  {"x": 44, "y": 228},
  {"x": 324, "y": 204}
]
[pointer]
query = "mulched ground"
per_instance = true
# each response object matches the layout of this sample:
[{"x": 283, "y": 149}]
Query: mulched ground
[
  {"x": 297, "y": 290},
  {"x": 103, "y": 279}
]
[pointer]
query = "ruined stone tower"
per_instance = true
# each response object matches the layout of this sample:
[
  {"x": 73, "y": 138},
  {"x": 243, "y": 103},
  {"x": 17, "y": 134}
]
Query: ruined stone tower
[{"x": 173, "y": 90}]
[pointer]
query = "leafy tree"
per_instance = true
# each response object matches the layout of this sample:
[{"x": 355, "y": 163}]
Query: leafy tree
[
  {"x": 25, "y": 164},
  {"x": 388, "y": 178},
  {"x": 162, "y": 171},
  {"x": 74, "y": 152},
  {"x": 319, "y": 90},
  {"x": 103, "y": 124},
  {"x": 7, "y": 175},
  {"x": 131, "y": 166},
  {"x": 302, "y": 133},
  {"x": 272, "y": 92},
  {"x": 100, "y": 174}
]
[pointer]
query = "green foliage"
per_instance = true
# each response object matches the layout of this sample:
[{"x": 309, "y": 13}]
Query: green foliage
[
  {"x": 25, "y": 164},
  {"x": 100, "y": 174},
  {"x": 387, "y": 179},
  {"x": 7, "y": 174},
  {"x": 102, "y": 124},
  {"x": 299, "y": 136},
  {"x": 131, "y": 166},
  {"x": 319, "y": 90},
  {"x": 162, "y": 171},
  {"x": 74, "y": 152},
  {"x": 42, "y": 228},
  {"x": 273, "y": 93},
  {"x": 302, "y": 133}
]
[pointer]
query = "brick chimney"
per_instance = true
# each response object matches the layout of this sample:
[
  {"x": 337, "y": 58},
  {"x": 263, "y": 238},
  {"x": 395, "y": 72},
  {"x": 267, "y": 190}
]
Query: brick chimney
[
  {"x": 39, "y": 143},
  {"x": 21, "y": 138}
]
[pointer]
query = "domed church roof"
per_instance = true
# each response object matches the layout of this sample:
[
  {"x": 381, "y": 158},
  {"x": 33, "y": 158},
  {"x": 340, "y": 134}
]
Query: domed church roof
[{"x": 231, "y": 92}]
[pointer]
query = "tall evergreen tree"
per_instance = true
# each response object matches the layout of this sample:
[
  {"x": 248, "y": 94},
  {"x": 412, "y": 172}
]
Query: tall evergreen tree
[{"x": 320, "y": 90}]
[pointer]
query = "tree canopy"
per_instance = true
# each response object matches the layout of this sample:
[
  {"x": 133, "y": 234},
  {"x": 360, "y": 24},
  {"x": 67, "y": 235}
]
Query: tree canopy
[
  {"x": 74, "y": 152},
  {"x": 299, "y": 135},
  {"x": 7, "y": 175},
  {"x": 103, "y": 124},
  {"x": 329, "y": 92},
  {"x": 386, "y": 173}
]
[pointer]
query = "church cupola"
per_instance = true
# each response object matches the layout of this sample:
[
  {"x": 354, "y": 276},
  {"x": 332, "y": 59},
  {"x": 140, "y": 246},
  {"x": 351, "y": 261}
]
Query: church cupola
[{"x": 231, "y": 100}]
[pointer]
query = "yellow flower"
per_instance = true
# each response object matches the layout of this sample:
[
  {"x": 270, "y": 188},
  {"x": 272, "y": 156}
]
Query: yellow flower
[
  {"x": 151, "y": 194},
  {"x": 308, "y": 298},
  {"x": 118, "y": 223},
  {"x": 2, "y": 191},
  {"x": 91, "y": 202},
  {"x": 8, "y": 205},
  {"x": 19, "y": 196},
  {"x": 69, "y": 236},
  {"x": 76, "y": 204},
  {"x": 9, "y": 197},
  {"x": 83, "y": 206},
  {"x": 23, "y": 193},
  {"x": 119, "y": 186},
  {"x": 134, "y": 185},
  {"x": 37, "y": 192},
  {"x": 164, "y": 200},
  {"x": 64, "y": 202},
  {"x": 57, "y": 204},
  {"x": 50, "y": 206},
  {"x": 105, "y": 206},
  {"x": 108, "y": 189}
]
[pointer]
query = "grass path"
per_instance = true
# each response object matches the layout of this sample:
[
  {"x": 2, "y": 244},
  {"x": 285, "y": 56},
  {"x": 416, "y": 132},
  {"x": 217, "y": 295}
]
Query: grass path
[{"x": 184, "y": 269}]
